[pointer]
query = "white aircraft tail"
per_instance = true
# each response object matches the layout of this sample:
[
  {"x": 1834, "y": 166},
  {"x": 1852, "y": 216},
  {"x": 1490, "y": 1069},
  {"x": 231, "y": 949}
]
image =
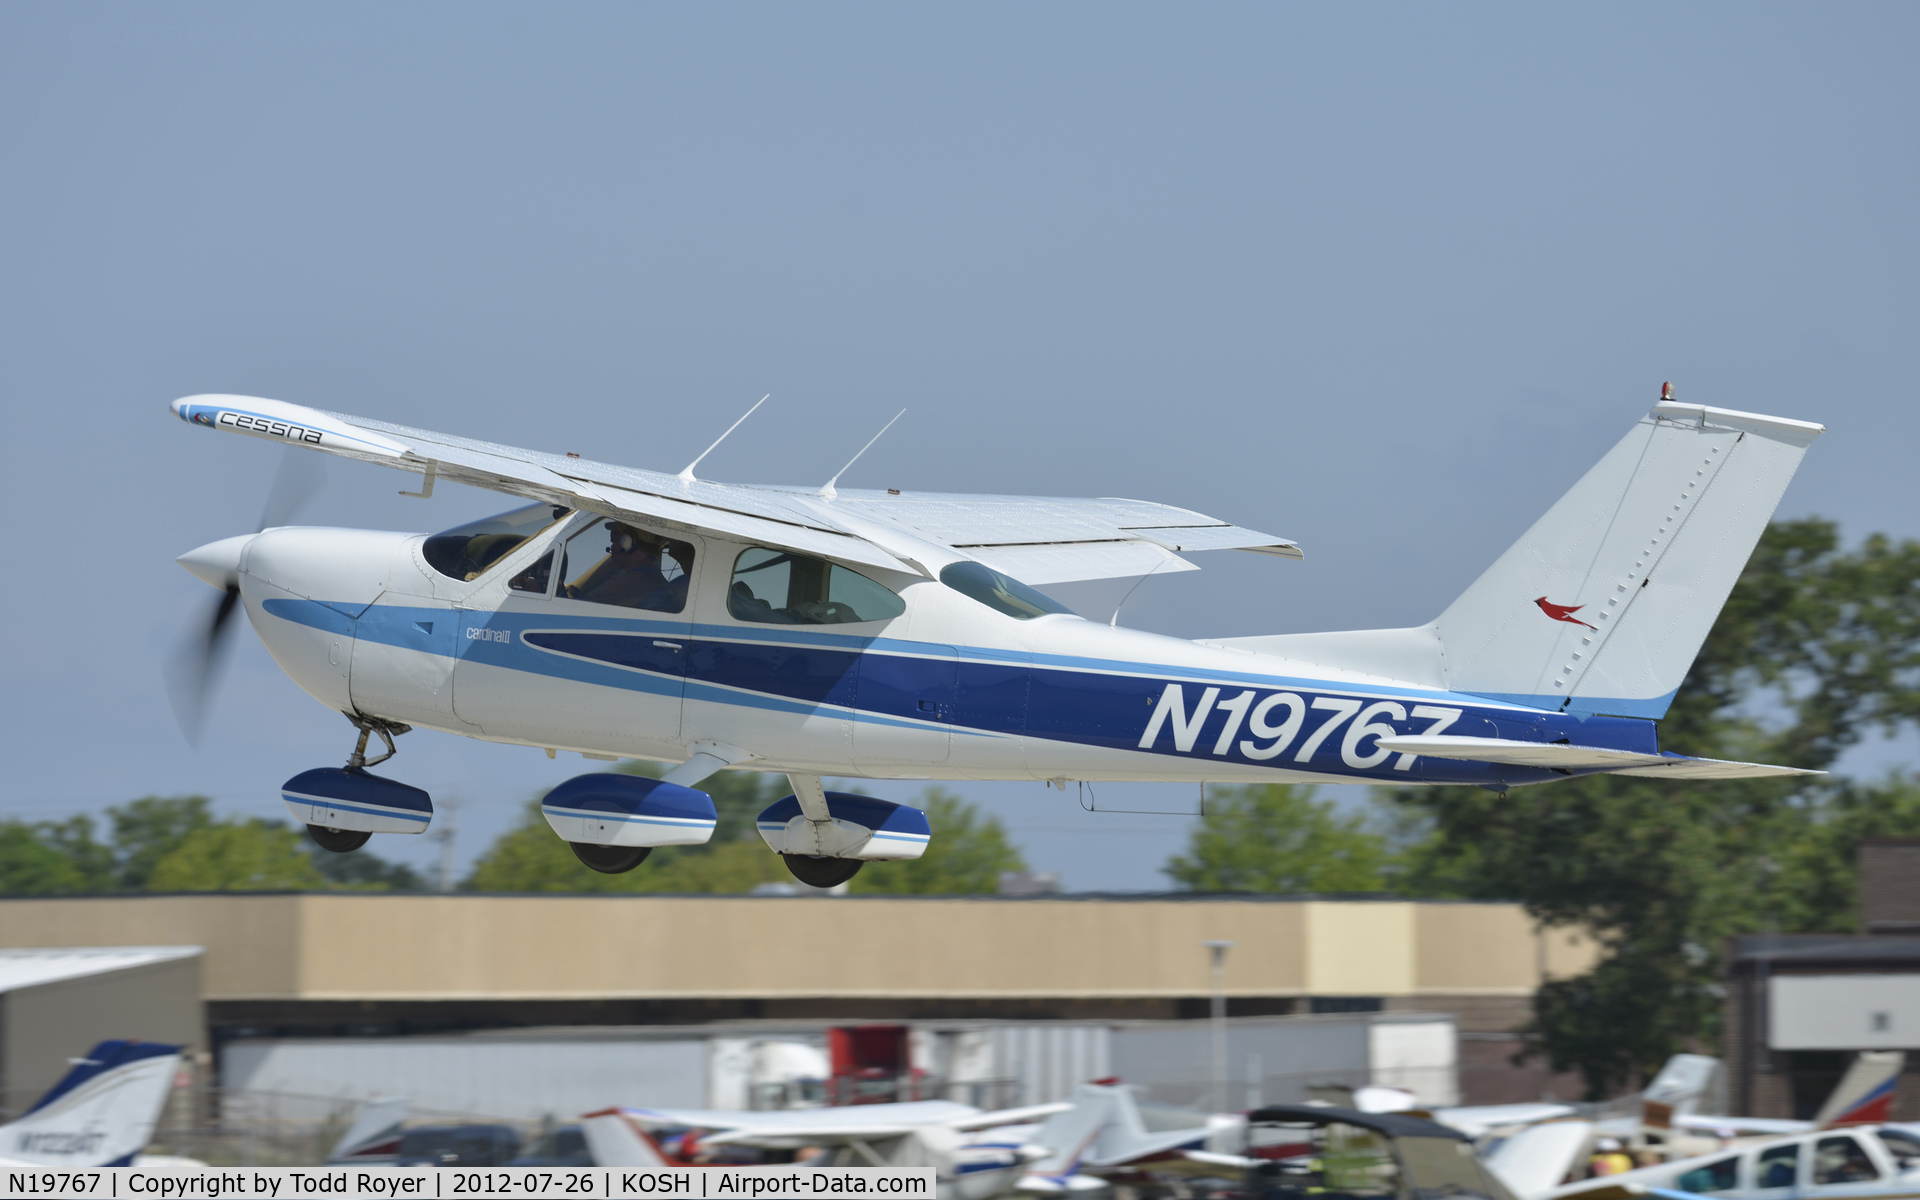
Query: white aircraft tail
[
  {"x": 1688, "y": 1084},
  {"x": 1539, "y": 1158},
  {"x": 1864, "y": 1095},
  {"x": 1106, "y": 1128},
  {"x": 1602, "y": 605},
  {"x": 375, "y": 1133},
  {"x": 616, "y": 1140},
  {"x": 101, "y": 1113}
]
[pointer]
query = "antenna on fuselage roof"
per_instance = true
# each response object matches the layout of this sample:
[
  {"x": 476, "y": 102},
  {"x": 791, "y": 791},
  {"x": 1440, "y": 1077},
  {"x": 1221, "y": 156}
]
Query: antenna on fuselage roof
[
  {"x": 686, "y": 476},
  {"x": 826, "y": 489}
]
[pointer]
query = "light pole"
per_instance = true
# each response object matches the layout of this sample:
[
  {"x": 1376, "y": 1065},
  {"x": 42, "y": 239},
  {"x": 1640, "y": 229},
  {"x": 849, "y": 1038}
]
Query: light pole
[{"x": 1217, "y": 950}]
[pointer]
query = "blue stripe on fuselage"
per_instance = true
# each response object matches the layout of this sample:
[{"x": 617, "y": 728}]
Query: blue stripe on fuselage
[{"x": 984, "y": 692}]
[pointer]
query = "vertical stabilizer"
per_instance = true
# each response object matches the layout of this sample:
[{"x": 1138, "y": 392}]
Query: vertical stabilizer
[
  {"x": 1603, "y": 604},
  {"x": 1864, "y": 1095},
  {"x": 375, "y": 1133},
  {"x": 616, "y": 1140},
  {"x": 101, "y": 1113}
]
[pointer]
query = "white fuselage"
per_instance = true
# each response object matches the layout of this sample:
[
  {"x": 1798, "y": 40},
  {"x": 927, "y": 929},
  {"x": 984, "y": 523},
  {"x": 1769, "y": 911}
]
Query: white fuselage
[{"x": 949, "y": 689}]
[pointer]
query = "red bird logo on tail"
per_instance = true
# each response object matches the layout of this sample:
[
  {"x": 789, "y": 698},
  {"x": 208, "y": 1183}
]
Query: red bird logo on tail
[{"x": 1564, "y": 612}]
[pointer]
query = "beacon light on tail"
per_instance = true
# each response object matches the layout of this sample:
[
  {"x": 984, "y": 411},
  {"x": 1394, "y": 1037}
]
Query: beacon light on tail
[{"x": 825, "y": 632}]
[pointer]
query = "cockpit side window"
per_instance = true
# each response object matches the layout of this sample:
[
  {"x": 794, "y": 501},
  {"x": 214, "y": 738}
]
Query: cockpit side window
[
  {"x": 1001, "y": 593},
  {"x": 466, "y": 551},
  {"x": 611, "y": 562},
  {"x": 779, "y": 587}
]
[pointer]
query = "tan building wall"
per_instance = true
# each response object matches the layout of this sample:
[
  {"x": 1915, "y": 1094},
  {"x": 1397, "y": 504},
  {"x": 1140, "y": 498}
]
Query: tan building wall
[
  {"x": 47, "y": 1025},
  {"x": 326, "y": 947}
]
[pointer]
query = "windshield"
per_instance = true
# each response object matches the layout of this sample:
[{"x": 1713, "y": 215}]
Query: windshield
[
  {"x": 1001, "y": 593},
  {"x": 466, "y": 551}
]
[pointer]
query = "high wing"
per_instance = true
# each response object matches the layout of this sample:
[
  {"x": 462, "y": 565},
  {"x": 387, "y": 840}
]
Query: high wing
[
  {"x": 837, "y": 1125},
  {"x": 1037, "y": 539},
  {"x": 857, "y": 1118}
]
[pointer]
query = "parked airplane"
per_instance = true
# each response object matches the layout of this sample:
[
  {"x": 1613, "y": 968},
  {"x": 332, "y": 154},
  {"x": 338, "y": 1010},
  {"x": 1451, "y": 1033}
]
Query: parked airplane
[
  {"x": 1537, "y": 1160},
  {"x": 971, "y": 1152},
  {"x": 1862, "y": 1161},
  {"x": 1108, "y": 1134},
  {"x": 1685, "y": 1085},
  {"x": 818, "y": 632},
  {"x": 101, "y": 1113},
  {"x": 374, "y": 1136}
]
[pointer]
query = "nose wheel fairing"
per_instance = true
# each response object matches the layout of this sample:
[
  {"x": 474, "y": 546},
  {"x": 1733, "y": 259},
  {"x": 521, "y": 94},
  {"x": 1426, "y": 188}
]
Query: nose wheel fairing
[{"x": 354, "y": 800}]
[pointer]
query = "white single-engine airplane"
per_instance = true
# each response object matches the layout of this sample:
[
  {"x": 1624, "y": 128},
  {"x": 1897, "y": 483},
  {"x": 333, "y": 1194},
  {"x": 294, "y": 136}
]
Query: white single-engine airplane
[{"x": 818, "y": 632}]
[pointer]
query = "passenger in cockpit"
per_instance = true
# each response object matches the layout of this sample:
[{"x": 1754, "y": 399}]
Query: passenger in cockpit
[{"x": 634, "y": 573}]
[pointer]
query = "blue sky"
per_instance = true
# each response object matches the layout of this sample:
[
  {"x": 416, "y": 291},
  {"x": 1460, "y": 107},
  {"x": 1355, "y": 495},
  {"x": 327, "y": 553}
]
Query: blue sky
[{"x": 1381, "y": 278}]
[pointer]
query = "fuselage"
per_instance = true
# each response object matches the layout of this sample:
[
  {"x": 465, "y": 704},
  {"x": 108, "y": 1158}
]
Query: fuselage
[{"x": 949, "y": 688}]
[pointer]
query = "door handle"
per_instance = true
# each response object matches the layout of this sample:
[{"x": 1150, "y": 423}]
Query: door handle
[{"x": 666, "y": 645}]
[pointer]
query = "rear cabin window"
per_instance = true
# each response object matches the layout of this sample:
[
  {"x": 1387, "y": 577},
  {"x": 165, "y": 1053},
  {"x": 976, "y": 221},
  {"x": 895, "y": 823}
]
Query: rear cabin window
[
  {"x": 1720, "y": 1176},
  {"x": 466, "y": 551},
  {"x": 1904, "y": 1147},
  {"x": 1001, "y": 593},
  {"x": 1777, "y": 1167},
  {"x": 1842, "y": 1160},
  {"x": 779, "y": 587}
]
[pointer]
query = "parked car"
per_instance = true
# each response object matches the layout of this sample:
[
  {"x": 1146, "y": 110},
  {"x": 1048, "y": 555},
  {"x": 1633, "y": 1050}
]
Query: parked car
[
  {"x": 564, "y": 1147},
  {"x": 458, "y": 1146}
]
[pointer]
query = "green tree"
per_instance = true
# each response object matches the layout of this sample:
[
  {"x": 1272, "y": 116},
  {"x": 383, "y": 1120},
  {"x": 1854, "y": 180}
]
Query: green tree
[
  {"x": 31, "y": 864},
  {"x": 1278, "y": 837},
  {"x": 364, "y": 871},
  {"x": 237, "y": 856},
  {"x": 965, "y": 857},
  {"x": 147, "y": 830},
  {"x": 1817, "y": 646}
]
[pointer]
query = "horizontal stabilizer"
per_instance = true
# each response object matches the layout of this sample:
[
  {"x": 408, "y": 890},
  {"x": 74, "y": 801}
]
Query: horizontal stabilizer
[{"x": 1556, "y": 757}]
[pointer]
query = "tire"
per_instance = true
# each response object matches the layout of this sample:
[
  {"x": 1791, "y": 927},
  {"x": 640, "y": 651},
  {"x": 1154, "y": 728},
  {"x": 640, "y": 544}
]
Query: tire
[
  {"x": 610, "y": 860},
  {"x": 822, "y": 872},
  {"x": 340, "y": 841}
]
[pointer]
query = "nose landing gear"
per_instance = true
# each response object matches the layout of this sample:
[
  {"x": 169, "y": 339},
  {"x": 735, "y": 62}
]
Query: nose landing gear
[
  {"x": 340, "y": 841},
  {"x": 343, "y": 808}
]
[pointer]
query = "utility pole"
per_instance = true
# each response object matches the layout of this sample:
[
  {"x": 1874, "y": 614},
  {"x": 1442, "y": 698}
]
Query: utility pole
[
  {"x": 445, "y": 830},
  {"x": 1217, "y": 950}
]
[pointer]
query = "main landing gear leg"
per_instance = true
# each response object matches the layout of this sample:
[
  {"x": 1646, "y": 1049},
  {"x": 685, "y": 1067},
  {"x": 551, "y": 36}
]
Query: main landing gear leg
[
  {"x": 815, "y": 870},
  {"x": 343, "y": 841}
]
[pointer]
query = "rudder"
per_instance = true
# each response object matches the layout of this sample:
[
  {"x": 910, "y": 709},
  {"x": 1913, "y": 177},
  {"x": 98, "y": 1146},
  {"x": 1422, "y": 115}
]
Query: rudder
[{"x": 1603, "y": 604}]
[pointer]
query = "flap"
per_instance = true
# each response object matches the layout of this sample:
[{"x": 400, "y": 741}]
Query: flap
[{"x": 1069, "y": 562}]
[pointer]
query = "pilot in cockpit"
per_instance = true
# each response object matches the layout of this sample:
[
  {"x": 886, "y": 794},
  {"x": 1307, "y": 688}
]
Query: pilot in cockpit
[{"x": 635, "y": 572}]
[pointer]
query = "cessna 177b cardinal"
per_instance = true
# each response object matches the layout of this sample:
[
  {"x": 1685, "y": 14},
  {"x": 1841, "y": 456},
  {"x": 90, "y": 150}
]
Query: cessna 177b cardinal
[{"x": 820, "y": 632}]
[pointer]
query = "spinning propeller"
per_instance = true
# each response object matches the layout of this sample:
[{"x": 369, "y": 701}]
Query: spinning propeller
[{"x": 191, "y": 670}]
